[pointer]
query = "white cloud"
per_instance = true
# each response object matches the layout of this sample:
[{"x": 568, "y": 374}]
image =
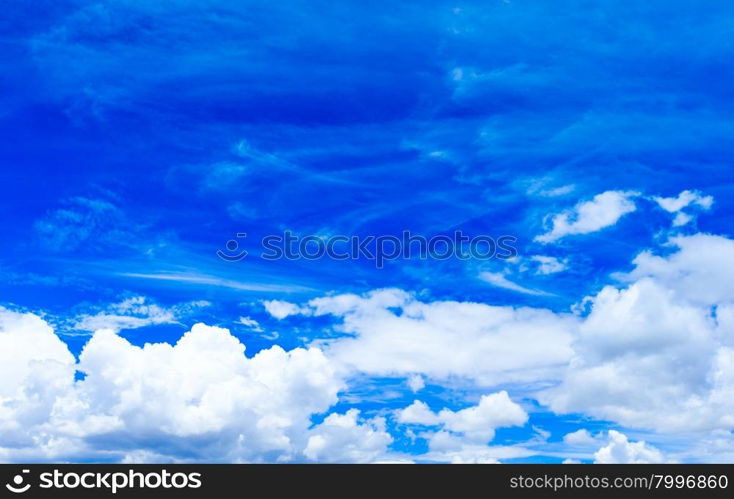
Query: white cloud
[
  {"x": 549, "y": 264},
  {"x": 212, "y": 280},
  {"x": 682, "y": 219},
  {"x": 392, "y": 333},
  {"x": 500, "y": 281},
  {"x": 654, "y": 352},
  {"x": 223, "y": 176},
  {"x": 659, "y": 354},
  {"x": 34, "y": 366},
  {"x": 281, "y": 309},
  {"x": 717, "y": 447},
  {"x": 619, "y": 450},
  {"x": 87, "y": 223},
  {"x": 199, "y": 399},
  {"x": 343, "y": 438},
  {"x": 580, "y": 437},
  {"x": 700, "y": 271},
  {"x": 462, "y": 436},
  {"x": 418, "y": 413},
  {"x": 133, "y": 313},
  {"x": 558, "y": 191},
  {"x": 27, "y": 348},
  {"x": 445, "y": 447},
  {"x": 547, "y": 187},
  {"x": 479, "y": 422},
  {"x": 250, "y": 323},
  {"x": 476, "y": 424},
  {"x": 641, "y": 359},
  {"x": 683, "y": 200},
  {"x": 604, "y": 210},
  {"x": 416, "y": 383}
]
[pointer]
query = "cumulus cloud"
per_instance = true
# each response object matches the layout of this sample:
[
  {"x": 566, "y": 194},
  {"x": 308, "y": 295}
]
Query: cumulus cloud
[
  {"x": 580, "y": 437},
  {"x": 619, "y": 450},
  {"x": 35, "y": 365},
  {"x": 654, "y": 351},
  {"x": 476, "y": 424},
  {"x": 446, "y": 447},
  {"x": 456, "y": 453},
  {"x": 200, "y": 399},
  {"x": 718, "y": 447},
  {"x": 604, "y": 210},
  {"x": 658, "y": 354},
  {"x": 418, "y": 413},
  {"x": 343, "y": 438},
  {"x": 462, "y": 436},
  {"x": 390, "y": 332},
  {"x": 699, "y": 271}
]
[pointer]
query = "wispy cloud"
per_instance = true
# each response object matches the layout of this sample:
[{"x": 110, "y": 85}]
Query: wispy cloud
[
  {"x": 499, "y": 280},
  {"x": 209, "y": 280},
  {"x": 549, "y": 264},
  {"x": 133, "y": 313}
]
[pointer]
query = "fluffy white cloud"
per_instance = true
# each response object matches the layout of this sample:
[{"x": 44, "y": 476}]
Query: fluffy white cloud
[
  {"x": 390, "y": 332},
  {"x": 446, "y": 447},
  {"x": 619, "y": 450},
  {"x": 642, "y": 360},
  {"x": 198, "y": 399},
  {"x": 476, "y": 424},
  {"x": 659, "y": 354},
  {"x": 462, "y": 436},
  {"x": 699, "y": 272},
  {"x": 580, "y": 437},
  {"x": 418, "y": 413},
  {"x": 655, "y": 351},
  {"x": 717, "y": 447},
  {"x": 604, "y": 210},
  {"x": 281, "y": 309},
  {"x": 34, "y": 366},
  {"x": 343, "y": 438},
  {"x": 28, "y": 348},
  {"x": 479, "y": 422}
]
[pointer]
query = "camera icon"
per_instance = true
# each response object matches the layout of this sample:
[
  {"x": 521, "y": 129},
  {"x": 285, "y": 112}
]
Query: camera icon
[{"x": 17, "y": 486}]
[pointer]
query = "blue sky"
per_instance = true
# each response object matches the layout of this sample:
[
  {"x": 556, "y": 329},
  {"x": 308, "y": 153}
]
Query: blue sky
[{"x": 138, "y": 138}]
